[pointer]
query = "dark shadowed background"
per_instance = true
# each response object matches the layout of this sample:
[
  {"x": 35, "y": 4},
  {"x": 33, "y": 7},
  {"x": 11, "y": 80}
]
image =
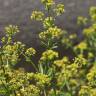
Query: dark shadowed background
[{"x": 18, "y": 12}]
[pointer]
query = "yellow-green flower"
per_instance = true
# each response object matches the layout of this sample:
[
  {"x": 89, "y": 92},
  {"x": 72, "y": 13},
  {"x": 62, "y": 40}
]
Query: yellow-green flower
[
  {"x": 18, "y": 81},
  {"x": 59, "y": 9},
  {"x": 48, "y": 3},
  {"x": 92, "y": 10},
  {"x": 88, "y": 31},
  {"x": 30, "y": 90},
  {"x": 58, "y": 63},
  {"x": 93, "y": 17},
  {"x": 91, "y": 76},
  {"x": 72, "y": 36},
  {"x": 61, "y": 62},
  {"x": 73, "y": 82},
  {"x": 93, "y": 92},
  {"x": 92, "y": 13},
  {"x": 3, "y": 39},
  {"x": 81, "y": 20},
  {"x": 64, "y": 75},
  {"x": 11, "y": 53},
  {"x": 73, "y": 68},
  {"x": 49, "y": 55},
  {"x": 80, "y": 61},
  {"x": 85, "y": 91},
  {"x": 51, "y": 33},
  {"x": 48, "y": 22},
  {"x": 11, "y": 30},
  {"x": 37, "y": 15},
  {"x": 90, "y": 55},
  {"x": 30, "y": 52},
  {"x": 42, "y": 80},
  {"x": 81, "y": 46}
]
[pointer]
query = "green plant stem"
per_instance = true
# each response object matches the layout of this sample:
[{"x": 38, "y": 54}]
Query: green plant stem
[
  {"x": 54, "y": 92},
  {"x": 45, "y": 93},
  {"x": 34, "y": 66},
  {"x": 31, "y": 62}
]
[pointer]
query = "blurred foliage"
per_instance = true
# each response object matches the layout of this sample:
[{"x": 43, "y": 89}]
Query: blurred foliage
[{"x": 53, "y": 76}]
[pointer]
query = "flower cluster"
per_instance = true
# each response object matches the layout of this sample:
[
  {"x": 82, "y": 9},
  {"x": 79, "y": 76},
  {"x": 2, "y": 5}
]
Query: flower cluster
[
  {"x": 30, "y": 90},
  {"x": 81, "y": 46},
  {"x": 48, "y": 22},
  {"x": 60, "y": 63},
  {"x": 85, "y": 91},
  {"x": 72, "y": 75},
  {"x": 11, "y": 30},
  {"x": 68, "y": 71},
  {"x": 30, "y": 51},
  {"x": 91, "y": 77},
  {"x": 48, "y": 3},
  {"x": 52, "y": 33},
  {"x": 67, "y": 40},
  {"x": 81, "y": 20},
  {"x": 59, "y": 9},
  {"x": 66, "y": 75},
  {"x": 37, "y": 15},
  {"x": 92, "y": 13},
  {"x": 17, "y": 82},
  {"x": 80, "y": 61},
  {"x": 50, "y": 37},
  {"x": 88, "y": 31},
  {"x": 72, "y": 36},
  {"x": 42, "y": 80},
  {"x": 48, "y": 55},
  {"x": 11, "y": 53}
]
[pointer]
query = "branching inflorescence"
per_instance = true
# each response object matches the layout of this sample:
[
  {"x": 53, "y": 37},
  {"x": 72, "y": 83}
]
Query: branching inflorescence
[{"x": 53, "y": 76}]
